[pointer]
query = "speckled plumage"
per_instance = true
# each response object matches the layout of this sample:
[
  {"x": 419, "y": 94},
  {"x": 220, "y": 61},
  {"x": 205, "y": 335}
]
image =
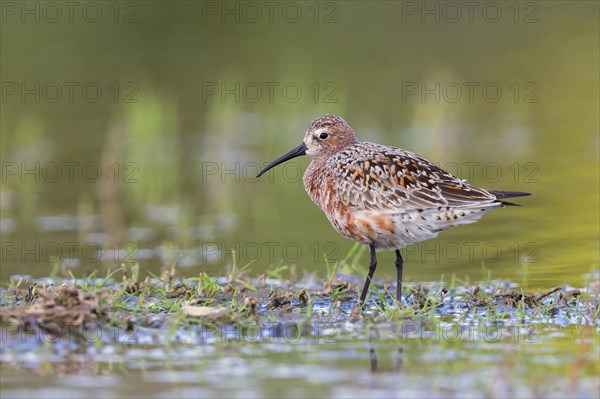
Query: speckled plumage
[
  {"x": 384, "y": 197},
  {"x": 391, "y": 197}
]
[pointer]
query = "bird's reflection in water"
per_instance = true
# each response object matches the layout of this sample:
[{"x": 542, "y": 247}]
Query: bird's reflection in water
[{"x": 398, "y": 361}]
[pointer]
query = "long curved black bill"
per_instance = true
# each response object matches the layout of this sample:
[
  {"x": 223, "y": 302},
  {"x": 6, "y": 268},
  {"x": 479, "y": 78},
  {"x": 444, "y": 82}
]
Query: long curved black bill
[{"x": 296, "y": 152}]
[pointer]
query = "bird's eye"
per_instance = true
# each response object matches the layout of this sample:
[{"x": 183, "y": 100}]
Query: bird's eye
[{"x": 323, "y": 136}]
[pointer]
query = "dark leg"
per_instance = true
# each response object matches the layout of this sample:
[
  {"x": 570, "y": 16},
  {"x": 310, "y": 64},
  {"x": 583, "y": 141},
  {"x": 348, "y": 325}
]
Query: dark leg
[
  {"x": 399, "y": 264},
  {"x": 372, "y": 266}
]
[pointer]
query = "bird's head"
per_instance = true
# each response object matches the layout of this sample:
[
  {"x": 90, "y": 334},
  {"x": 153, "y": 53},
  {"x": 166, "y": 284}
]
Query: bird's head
[{"x": 324, "y": 137}]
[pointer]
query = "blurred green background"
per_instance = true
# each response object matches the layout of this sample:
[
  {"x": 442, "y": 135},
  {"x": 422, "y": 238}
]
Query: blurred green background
[{"x": 135, "y": 134}]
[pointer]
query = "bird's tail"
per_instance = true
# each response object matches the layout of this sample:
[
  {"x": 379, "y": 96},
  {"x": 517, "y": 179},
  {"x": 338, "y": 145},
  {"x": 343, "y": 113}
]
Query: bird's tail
[{"x": 507, "y": 194}]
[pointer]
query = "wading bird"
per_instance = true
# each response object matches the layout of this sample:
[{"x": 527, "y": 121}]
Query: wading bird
[{"x": 384, "y": 197}]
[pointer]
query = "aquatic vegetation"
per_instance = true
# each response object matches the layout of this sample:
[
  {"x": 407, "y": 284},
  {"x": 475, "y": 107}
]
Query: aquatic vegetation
[{"x": 125, "y": 310}]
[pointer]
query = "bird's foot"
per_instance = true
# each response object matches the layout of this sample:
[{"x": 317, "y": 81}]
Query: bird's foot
[{"x": 356, "y": 312}]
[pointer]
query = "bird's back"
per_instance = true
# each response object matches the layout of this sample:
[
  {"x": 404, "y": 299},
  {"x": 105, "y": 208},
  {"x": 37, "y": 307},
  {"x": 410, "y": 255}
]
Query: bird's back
[{"x": 393, "y": 197}]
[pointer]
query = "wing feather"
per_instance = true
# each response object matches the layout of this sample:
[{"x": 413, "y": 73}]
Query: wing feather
[{"x": 385, "y": 179}]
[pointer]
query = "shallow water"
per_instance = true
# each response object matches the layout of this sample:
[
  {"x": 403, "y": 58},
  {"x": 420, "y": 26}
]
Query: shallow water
[
  {"x": 168, "y": 174},
  {"x": 462, "y": 349},
  {"x": 437, "y": 361},
  {"x": 340, "y": 369},
  {"x": 159, "y": 170}
]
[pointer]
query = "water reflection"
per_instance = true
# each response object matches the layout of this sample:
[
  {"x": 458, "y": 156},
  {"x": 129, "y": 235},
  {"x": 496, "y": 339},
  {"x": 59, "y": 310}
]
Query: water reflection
[
  {"x": 172, "y": 175},
  {"x": 398, "y": 359}
]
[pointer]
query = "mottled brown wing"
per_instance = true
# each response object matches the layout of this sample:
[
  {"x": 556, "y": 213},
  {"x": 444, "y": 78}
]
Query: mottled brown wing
[{"x": 383, "y": 178}]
